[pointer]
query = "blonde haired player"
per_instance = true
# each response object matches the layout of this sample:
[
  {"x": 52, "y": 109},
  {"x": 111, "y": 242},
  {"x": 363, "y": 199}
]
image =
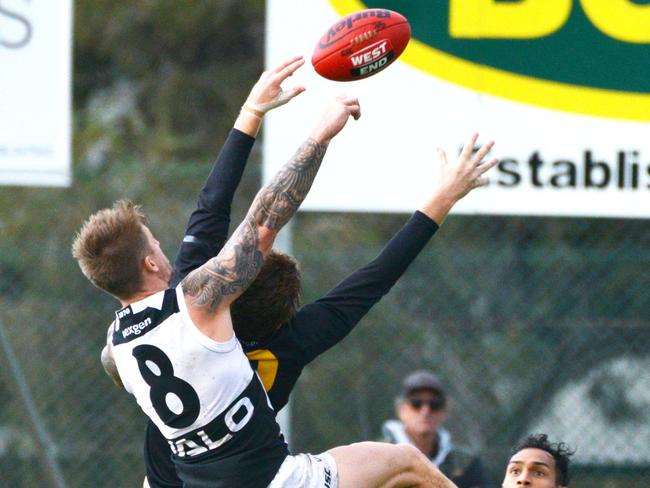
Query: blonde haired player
[{"x": 221, "y": 428}]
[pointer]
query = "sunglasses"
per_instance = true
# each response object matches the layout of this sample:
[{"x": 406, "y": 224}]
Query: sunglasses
[{"x": 418, "y": 403}]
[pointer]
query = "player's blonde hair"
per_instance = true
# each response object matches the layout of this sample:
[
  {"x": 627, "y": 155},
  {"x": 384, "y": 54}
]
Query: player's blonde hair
[{"x": 110, "y": 247}]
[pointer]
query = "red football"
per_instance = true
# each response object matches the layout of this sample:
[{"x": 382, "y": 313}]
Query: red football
[{"x": 361, "y": 44}]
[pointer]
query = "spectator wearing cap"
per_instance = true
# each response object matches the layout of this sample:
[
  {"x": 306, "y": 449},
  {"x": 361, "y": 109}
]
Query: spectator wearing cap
[{"x": 422, "y": 409}]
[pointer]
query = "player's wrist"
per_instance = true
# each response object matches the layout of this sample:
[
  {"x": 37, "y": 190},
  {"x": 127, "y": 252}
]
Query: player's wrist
[
  {"x": 438, "y": 206},
  {"x": 322, "y": 138},
  {"x": 251, "y": 110},
  {"x": 248, "y": 123}
]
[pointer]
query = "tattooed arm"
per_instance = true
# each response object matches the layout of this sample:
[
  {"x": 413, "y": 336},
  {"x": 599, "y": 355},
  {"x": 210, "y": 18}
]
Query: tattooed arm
[{"x": 211, "y": 289}]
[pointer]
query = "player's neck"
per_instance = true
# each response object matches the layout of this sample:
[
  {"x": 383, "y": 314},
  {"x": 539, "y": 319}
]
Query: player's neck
[
  {"x": 125, "y": 302},
  {"x": 151, "y": 286}
]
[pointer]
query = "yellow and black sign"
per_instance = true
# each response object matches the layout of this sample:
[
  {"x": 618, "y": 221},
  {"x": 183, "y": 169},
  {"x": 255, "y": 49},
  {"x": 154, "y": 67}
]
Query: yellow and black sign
[
  {"x": 582, "y": 56},
  {"x": 562, "y": 86}
]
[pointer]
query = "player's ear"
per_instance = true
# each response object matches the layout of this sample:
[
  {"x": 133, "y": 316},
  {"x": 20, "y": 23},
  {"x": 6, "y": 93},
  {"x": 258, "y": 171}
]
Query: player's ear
[{"x": 149, "y": 264}]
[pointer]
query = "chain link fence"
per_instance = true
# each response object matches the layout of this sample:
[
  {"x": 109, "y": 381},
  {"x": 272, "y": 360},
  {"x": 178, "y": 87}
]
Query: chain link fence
[{"x": 534, "y": 325}]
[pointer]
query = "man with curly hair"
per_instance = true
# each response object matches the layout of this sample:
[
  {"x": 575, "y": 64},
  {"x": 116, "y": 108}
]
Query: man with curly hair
[{"x": 538, "y": 463}]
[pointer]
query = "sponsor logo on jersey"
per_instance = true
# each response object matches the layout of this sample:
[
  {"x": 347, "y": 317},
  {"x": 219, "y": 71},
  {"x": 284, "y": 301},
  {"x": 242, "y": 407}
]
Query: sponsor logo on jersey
[
  {"x": 221, "y": 429},
  {"x": 133, "y": 324},
  {"x": 123, "y": 313},
  {"x": 581, "y": 56},
  {"x": 136, "y": 328}
]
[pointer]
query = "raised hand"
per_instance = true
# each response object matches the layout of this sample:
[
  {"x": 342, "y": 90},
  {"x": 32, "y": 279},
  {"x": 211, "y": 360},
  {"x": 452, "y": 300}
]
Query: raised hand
[
  {"x": 457, "y": 180},
  {"x": 268, "y": 94},
  {"x": 335, "y": 117},
  {"x": 215, "y": 285},
  {"x": 468, "y": 171}
]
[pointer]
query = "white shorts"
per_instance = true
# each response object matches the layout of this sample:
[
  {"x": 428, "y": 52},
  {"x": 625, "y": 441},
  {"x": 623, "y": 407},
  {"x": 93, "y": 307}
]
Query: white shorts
[{"x": 307, "y": 471}]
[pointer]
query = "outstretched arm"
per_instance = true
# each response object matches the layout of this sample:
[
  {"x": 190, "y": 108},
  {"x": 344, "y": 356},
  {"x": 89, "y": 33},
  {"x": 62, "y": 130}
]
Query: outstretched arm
[
  {"x": 211, "y": 289},
  {"x": 320, "y": 325},
  {"x": 323, "y": 323},
  {"x": 207, "y": 229}
]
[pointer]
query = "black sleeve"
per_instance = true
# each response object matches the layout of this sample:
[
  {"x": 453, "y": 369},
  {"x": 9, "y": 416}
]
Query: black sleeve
[
  {"x": 319, "y": 325},
  {"x": 207, "y": 229}
]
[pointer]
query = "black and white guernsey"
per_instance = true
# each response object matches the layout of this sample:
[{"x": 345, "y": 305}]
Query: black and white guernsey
[{"x": 202, "y": 395}]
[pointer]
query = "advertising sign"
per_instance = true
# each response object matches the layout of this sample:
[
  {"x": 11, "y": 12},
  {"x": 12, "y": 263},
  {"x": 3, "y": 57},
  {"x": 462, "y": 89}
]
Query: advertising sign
[
  {"x": 35, "y": 60},
  {"x": 562, "y": 86}
]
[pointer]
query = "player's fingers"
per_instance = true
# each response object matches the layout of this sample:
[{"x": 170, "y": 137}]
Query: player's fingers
[
  {"x": 297, "y": 90},
  {"x": 287, "y": 95},
  {"x": 469, "y": 146},
  {"x": 353, "y": 106},
  {"x": 482, "y": 152},
  {"x": 280, "y": 99},
  {"x": 347, "y": 99},
  {"x": 285, "y": 64},
  {"x": 485, "y": 167},
  {"x": 482, "y": 181},
  {"x": 283, "y": 74}
]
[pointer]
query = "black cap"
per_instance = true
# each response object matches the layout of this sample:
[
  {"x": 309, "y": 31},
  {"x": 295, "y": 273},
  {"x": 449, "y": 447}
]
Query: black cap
[{"x": 422, "y": 380}]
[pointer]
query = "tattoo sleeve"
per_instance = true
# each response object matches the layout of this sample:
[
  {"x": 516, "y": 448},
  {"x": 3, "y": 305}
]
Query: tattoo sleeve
[{"x": 236, "y": 266}]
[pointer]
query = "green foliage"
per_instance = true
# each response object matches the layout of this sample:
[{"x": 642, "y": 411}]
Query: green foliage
[{"x": 175, "y": 73}]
